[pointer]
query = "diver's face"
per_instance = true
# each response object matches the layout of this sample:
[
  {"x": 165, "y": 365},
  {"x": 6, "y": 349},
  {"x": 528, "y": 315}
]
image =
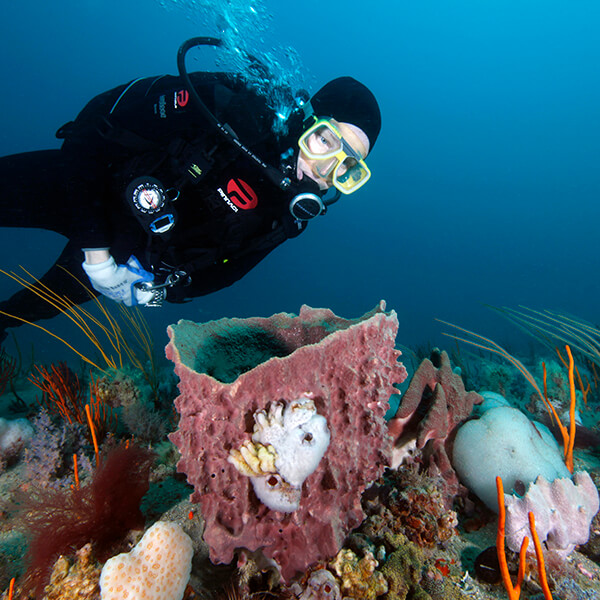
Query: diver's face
[{"x": 321, "y": 170}]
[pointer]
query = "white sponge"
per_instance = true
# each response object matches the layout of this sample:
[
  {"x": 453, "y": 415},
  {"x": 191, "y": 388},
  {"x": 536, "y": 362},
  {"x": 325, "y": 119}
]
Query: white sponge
[
  {"x": 505, "y": 442},
  {"x": 158, "y": 568}
]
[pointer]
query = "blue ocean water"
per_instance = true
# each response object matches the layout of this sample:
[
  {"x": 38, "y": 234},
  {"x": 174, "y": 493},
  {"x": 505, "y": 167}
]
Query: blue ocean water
[{"x": 485, "y": 181}]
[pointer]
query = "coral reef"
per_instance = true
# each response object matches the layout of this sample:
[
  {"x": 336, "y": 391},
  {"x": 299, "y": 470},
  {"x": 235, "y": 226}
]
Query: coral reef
[
  {"x": 13, "y": 546},
  {"x": 127, "y": 391},
  {"x": 403, "y": 570},
  {"x": 13, "y": 437},
  {"x": 101, "y": 512},
  {"x": 358, "y": 576},
  {"x": 348, "y": 368},
  {"x": 499, "y": 377},
  {"x": 162, "y": 496},
  {"x": 74, "y": 579},
  {"x": 411, "y": 503},
  {"x": 407, "y": 527},
  {"x": 49, "y": 454},
  {"x": 297, "y": 399},
  {"x": 320, "y": 585},
  {"x": 432, "y": 407}
]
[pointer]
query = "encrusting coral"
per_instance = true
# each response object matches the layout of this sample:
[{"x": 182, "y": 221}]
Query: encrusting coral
[
  {"x": 320, "y": 584},
  {"x": 158, "y": 568},
  {"x": 411, "y": 503},
  {"x": 74, "y": 579},
  {"x": 358, "y": 576}
]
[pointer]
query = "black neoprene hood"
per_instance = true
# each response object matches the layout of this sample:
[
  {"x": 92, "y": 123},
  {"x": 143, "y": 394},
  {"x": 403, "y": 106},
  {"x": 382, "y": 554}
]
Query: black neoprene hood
[{"x": 347, "y": 100}]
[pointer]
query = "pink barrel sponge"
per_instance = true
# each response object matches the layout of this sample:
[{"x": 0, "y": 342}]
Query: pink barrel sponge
[{"x": 348, "y": 368}]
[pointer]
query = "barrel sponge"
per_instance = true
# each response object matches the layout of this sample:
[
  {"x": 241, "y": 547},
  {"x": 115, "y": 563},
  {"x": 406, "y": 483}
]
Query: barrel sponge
[
  {"x": 158, "y": 568},
  {"x": 346, "y": 368}
]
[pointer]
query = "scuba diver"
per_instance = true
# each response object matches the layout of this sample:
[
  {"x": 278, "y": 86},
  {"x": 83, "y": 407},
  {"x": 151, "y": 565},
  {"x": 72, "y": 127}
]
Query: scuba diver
[{"x": 172, "y": 187}]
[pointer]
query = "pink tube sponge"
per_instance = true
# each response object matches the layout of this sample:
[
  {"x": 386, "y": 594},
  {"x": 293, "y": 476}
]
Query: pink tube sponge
[{"x": 348, "y": 368}]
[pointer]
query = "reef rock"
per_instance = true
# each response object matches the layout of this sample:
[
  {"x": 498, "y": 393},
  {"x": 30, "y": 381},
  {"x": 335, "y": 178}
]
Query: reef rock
[{"x": 230, "y": 371}]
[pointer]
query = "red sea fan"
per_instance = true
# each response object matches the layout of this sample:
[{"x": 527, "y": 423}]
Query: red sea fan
[
  {"x": 64, "y": 395},
  {"x": 102, "y": 512}
]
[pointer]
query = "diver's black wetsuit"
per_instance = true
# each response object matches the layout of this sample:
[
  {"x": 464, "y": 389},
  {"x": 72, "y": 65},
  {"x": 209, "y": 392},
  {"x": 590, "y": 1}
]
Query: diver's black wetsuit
[{"x": 227, "y": 222}]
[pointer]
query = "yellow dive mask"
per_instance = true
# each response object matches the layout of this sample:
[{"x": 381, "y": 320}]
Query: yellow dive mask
[{"x": 324, "y": 143}]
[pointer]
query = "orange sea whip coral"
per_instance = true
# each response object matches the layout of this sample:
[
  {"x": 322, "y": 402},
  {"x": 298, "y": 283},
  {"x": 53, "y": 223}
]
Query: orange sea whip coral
[
  {"x": 93, "y": 432},
  {"x": 540, "y": 558},
  {"x": 101, "y": 414},
  {"x": 515, "y": 591},
  {"x": 571, "y": 444},
  {"x": 11, "y": 588},
  {"x": 567, "y": 436},
  {"x": 61, "y": 391},
  {"x": 585, "y": 389},
  {"x": 75, "y": 472}
]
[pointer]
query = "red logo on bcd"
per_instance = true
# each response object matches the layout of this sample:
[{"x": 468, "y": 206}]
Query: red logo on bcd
[
  {"x": 182, "y": 97},
  {"x": 241, "y": 194}
]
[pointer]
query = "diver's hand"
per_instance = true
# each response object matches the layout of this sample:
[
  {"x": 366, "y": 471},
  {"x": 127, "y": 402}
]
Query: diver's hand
[{"x": 117, "y": 281}]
